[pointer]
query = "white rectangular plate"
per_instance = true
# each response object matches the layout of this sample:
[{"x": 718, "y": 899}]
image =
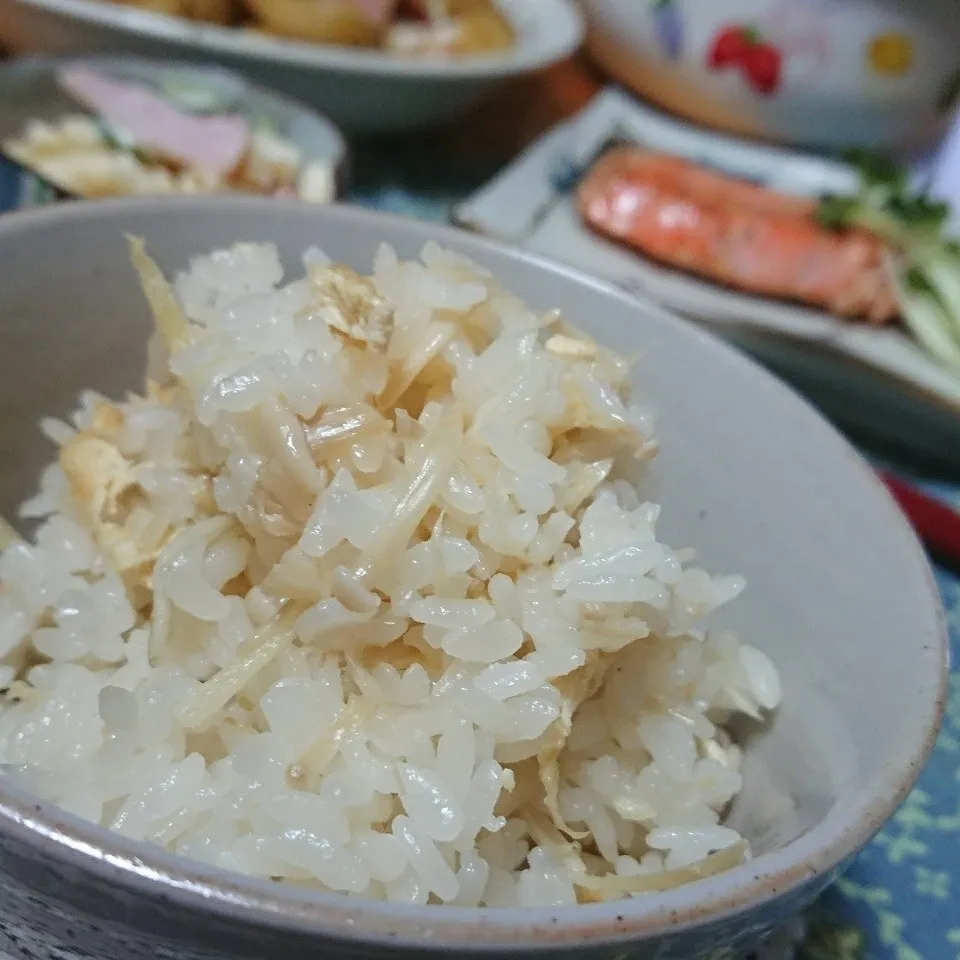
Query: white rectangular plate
[{"x": 872, "y": 380}]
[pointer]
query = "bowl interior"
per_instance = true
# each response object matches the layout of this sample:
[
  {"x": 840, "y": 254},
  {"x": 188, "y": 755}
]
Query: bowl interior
[{"x": 839, "y": 594}]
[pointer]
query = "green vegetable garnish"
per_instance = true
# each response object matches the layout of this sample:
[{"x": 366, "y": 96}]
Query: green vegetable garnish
[
  {"x": 263, "y": 123},
  {"x": 196, "y": 98},
  {"x": 925, "y": 263},
  {"x": 836, "y": 212},
  {"x": 112, "y": 136},
  {"x": 877, "y": 170}
]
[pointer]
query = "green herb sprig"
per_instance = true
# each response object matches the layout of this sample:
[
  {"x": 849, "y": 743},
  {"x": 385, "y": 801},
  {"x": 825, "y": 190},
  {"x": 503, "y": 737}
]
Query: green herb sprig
[{"x": 924, "y": 262}]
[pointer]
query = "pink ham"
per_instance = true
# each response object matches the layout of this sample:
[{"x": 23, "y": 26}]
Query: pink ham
[
  {"x": 214, "y": 144},
  {"x": 378, "y": 12}
]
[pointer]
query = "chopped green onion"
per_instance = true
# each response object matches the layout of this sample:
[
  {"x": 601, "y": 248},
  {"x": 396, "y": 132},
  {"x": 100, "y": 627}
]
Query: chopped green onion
[
  {"x": 837, "y": 212},
  {"x": 926, "y": 265},
  {"x": 928, "y": 322}
]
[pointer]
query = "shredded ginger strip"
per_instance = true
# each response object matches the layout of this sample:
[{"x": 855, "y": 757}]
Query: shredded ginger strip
[
  {"x": 262, "y": 648},
  {"x": 441, "y": 450},
  {"x": 172, "y": 324},
  {"x": 575, "y": 688},
  {"x": 595, "y": 889}
]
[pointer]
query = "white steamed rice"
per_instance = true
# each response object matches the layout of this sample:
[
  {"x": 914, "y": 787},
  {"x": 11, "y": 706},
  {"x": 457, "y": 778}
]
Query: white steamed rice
[{"x": 351, "y": 598}]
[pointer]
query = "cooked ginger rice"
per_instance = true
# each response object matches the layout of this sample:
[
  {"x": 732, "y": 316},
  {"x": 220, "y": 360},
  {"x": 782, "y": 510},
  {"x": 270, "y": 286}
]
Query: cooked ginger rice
[{"x": 352, "y": 597}]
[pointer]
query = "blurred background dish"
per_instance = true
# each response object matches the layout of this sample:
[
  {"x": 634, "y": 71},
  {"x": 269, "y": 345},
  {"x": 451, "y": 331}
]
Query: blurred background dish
[
  {"x": 365, "y": 90},
  {"x": 112, "y": 126},
  {"x": 829, "y": 73},
  {"x": 415, "y": 28}
]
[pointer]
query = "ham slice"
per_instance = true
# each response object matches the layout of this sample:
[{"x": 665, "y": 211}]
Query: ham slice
[
  {"x": 378, "y": 12},
  {"x": 214, "y": 144}
]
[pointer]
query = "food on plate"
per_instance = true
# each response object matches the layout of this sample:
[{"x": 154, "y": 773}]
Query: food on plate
[
  {"x": 342, "y": 22},
  {"x": 454, "y": 27},
  {"x": 356, "y": 595},
  {"x": 924, "y": 261},
  {"x": 138, "y": 142},
  {"x": 421, "y": 28},
  {"x": 736, "y": 233},
  {"x": 208, "y": 11},
  {"x": 879, "y": 255}
]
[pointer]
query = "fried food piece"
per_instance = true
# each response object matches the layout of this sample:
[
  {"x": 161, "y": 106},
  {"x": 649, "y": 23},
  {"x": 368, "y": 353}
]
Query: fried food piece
[
  {"x": 317, "y": 21},
  {"x": 482, "y": 30},
  {"x": 412, "y": 27},
  {"x": 224, "y": 12},
  {"x": 451, "y": 28}
]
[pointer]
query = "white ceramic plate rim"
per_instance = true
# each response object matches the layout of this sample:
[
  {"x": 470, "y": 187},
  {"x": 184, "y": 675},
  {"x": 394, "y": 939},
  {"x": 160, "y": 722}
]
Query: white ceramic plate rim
[
  {"x": 549, "y": 31},
  {"x": 808, "y": 859}
]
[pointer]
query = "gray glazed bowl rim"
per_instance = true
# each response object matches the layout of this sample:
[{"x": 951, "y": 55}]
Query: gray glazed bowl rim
[{"x": 61, "y": 837}]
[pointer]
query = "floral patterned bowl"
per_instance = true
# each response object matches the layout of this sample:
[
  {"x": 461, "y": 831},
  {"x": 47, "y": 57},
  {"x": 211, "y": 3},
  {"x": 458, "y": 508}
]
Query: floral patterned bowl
[{"x": 826, "y": 73}]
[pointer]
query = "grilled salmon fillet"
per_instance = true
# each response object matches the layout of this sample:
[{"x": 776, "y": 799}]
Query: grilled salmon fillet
[{"x": 736, "y": 233}]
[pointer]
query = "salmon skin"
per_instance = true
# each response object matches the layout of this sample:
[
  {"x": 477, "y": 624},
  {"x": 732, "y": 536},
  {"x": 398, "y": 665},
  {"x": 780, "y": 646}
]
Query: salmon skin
[{"x": 736, "y": 233}]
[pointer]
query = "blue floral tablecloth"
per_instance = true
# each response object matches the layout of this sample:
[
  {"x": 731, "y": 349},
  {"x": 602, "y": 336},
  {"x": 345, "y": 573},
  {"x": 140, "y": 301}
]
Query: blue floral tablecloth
[{"x": 901, "y": 898}]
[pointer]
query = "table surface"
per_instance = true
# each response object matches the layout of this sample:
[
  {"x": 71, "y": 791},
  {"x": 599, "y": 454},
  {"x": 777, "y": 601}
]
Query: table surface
[{"x": 901, "y": 898}]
